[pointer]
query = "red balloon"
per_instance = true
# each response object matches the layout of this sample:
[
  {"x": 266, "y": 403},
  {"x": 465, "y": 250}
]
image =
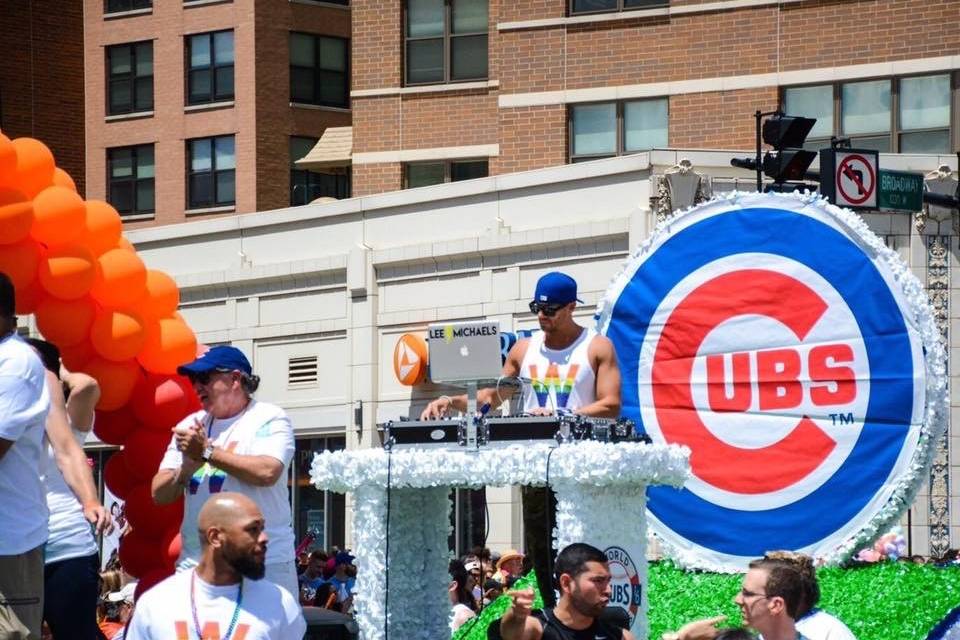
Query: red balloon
[
  {"x": 145, "y": 449},
  {"x": 148, "y": 518},
  {"x": 65, "y": 322},
  {"x": 171, "y": 543},
  {"x": 139, "y": 555},
  {"x": 114, "y": 427},
  {"x": 150, "y": 580},
  {"x": 20, "y": 261},
  {"x": 115, "y": 476},
  {"x": 160, "y": 402},
  {"x": 117, "y": 334},
  {"x": 29, "y": 298},
  {"x": 76, "y": 356},
  {"x": 117, "y": 380}
]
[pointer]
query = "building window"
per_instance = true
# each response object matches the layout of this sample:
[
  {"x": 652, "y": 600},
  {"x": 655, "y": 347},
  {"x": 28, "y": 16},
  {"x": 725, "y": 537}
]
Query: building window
[
  {"x": 307, "y": 186},
  {"x": 211, "y": 172},
  {"x": 130, "y": 179},
  {"x": 900, "y": 115},
  {"x": 210, "y": 67},
  {"x": 321, "y": 514},
  {"x": 604, "y": 129},
  {"x": 446, "y": 41},
  {"x": 118, "y": 6},
  {"x": 606, "y": 6},
  {"x": 424, "y": 174},
  {"x": 130, "y": 78},
  {"x": 925, "y": 114},
  {"x": 319, "y": 70}
]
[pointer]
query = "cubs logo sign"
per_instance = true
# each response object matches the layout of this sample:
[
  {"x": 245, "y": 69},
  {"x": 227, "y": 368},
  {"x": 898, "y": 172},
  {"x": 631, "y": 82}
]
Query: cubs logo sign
[
  {"x": 626, "y": 588},
  {"x": 794, "y": 354}
]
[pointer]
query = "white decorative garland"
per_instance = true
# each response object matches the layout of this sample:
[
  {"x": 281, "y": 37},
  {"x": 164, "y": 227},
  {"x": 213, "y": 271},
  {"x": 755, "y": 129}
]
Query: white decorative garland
[
  {"x": 918, "y": 305},
  {"x": 420, "y": 481}
]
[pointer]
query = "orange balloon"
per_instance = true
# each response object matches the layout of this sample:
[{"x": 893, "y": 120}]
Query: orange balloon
[
  {"x": 8, "y": 160},
  {"x": 103, "y": 227},
  {"x": 62, "y": 179},
  {"x": 16, "y": 216},
  {"x": 35, "y": 166},
  {"x": 170, "y": 343},
  {"x": 117, "y": 380},
  {"x": 163, "y": 296},
  {"x": 29, "y": 297},
  {"x": 117, "y": 334},
  {"x": 123, "y": 243},
  {"x": 65, "y": 322},
  {"x": 58, "y": 216},
  {"x": 20, "y": 261},
  {"x": 121, "y": 280},
  {"x": 76, "y": 356},
  {"x": 68, "y": 272}
]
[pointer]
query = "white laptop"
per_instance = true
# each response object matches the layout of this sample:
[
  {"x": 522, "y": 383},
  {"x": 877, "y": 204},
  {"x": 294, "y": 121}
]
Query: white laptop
[{"x": 464, "y": 351}]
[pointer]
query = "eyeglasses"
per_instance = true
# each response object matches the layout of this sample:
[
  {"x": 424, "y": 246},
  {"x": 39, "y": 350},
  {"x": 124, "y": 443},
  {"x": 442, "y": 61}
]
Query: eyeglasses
[
  {"x": 746, "y": 593},
  {"x": 203, "y": 377},
  {"x": 545, "y": 308}
]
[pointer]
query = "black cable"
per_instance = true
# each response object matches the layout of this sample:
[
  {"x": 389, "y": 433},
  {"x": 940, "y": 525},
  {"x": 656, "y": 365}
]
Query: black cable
[
  {"x": 549, "y": 513},
  {"x": 386, "y": 552}
]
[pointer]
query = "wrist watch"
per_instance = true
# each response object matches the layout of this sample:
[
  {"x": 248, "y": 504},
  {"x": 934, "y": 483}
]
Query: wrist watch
[{"x": 207, "y": 452}]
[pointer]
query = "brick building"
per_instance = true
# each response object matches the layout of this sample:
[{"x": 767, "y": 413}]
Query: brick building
[
  {"x": 196, "y": 108},
  {"x": 37, "y": 37},
  {"x": 451, "y": 89}
]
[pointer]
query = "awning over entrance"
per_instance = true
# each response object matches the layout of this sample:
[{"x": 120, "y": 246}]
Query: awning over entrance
[{"x": 332, "y": 150}]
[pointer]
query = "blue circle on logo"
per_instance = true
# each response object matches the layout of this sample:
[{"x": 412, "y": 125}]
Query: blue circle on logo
[{"x": 842, "y": 263}]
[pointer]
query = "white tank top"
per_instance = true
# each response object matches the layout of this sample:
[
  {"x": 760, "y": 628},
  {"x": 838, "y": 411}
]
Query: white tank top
[
  {"x": 70, "y": 534},
  {"x": 561, "y": 379}
]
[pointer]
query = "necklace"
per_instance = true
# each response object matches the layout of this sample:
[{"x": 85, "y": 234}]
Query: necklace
[{"x": 193, "y": 608}]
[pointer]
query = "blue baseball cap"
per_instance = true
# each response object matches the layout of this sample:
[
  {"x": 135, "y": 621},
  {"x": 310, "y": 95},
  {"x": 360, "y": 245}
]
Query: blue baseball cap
[
  {"x": 556, "y": 288},
  {"x": 220, "y": 357}
]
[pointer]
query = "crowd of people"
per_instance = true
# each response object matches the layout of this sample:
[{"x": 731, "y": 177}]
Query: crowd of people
[{"x": 237, "y": 570}]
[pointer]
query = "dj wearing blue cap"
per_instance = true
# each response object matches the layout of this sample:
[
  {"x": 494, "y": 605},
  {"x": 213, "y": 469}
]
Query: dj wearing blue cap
[
  {"x": 234, "y": 443},
  {"x": 572, "y": 369}
]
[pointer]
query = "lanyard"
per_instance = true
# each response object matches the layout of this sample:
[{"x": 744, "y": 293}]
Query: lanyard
[{"x": 193, "y": 608}]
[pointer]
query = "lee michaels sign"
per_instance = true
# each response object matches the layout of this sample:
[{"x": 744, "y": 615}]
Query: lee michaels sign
[{"x": 794, "y": 353}]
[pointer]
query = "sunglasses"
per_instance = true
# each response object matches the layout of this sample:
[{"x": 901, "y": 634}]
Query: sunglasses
[
  {"x": 203, "y": 377},
  {"x": 545, "y": 308}
]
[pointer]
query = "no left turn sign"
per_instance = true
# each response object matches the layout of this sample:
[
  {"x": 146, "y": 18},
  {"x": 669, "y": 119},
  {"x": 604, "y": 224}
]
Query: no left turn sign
[{"x": 856, "y": 179}]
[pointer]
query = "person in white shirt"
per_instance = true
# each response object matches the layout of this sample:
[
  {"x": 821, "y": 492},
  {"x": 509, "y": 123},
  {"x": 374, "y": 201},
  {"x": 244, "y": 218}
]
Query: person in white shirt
[
  {"x": 24, "y": 403},
  {"x": 71, "y": 555},
  {"x": 235, "y": 443},
  {"x": 224, "y": 596},
  {"x": 572, "y": 369}
]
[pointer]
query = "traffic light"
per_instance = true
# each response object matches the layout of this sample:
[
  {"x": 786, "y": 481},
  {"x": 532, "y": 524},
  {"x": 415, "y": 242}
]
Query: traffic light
[
  {"x": 787, "y": 134},
  {"x": 789, "y": 161}
]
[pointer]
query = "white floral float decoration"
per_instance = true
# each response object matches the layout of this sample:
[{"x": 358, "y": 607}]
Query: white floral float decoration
[{"x": 600, "y": 489}]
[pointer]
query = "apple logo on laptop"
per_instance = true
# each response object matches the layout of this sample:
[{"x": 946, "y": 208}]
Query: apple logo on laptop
[{"x": 464, "y": 351}]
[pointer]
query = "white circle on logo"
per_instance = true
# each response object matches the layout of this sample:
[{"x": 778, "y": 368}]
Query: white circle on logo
[{"x": 758, "y": 337}]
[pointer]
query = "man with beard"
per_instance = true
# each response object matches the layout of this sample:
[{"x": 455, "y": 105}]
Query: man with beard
[
  {"x": 583, "y": 578},
  {"x": 572, "y": 369},
  {"x": 224, "y": 596}
]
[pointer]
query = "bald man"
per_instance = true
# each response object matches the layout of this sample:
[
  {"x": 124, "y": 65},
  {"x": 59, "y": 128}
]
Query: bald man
[{"x": 224, "y": 595}]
